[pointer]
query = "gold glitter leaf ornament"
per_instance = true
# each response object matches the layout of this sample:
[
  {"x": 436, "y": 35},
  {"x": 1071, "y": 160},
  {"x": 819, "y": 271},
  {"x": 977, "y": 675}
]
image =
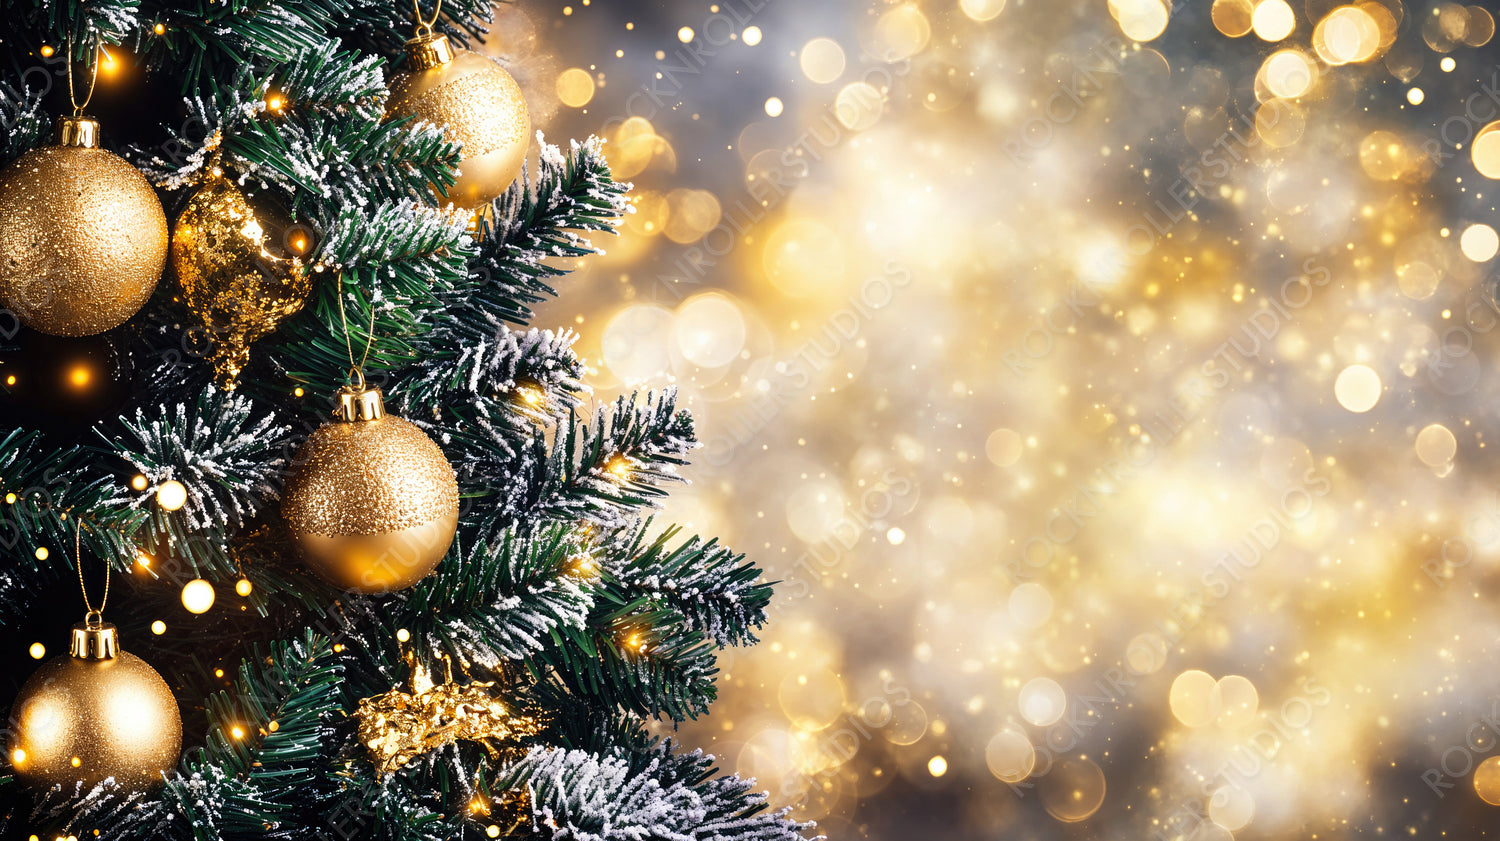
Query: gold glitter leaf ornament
[
  {"x": 83, "y": 238},
  {"x": 240, "y": 270},
  {"x": 476, "y": 103},
  {"x": 399, "y": 726},
  {"x": 97, "y": 712},
  {"x": 372, "y": 503}
]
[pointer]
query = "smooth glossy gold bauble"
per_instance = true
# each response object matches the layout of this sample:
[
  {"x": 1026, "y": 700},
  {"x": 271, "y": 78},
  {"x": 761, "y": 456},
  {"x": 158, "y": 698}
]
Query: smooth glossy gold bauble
[
  {"x": 476, "y": 103},
  {"x": 241, "y": 271},
  {"x": 96, "y": 713},
  {"x": 83, "y": 238},
  {"x": 372, "y": 503}
]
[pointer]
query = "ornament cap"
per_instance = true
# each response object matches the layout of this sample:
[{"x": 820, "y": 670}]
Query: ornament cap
[
  {"x": 78, "y": 131},
  {"x": 359, "y": 404},
  {"x": 95, "y": 639},
  {"x": 425, "y": 52}
]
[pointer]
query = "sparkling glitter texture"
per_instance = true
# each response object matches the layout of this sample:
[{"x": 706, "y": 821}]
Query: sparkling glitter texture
[
  {"x": 478, "y": 105},
  {"x": 373, "y": 504},
  {"x": 85, "y": 717},
  {"x": 236, "y": 279},
  {"x": 83, "y": 240}
]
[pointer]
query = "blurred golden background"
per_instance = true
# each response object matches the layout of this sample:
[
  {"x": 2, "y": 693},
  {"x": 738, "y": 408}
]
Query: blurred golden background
[{"x": 1107, "y": 383}]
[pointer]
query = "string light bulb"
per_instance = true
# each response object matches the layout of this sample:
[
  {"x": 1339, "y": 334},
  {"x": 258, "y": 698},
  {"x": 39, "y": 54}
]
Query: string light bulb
[
  {"x": 171, "y": 495},
  {"x": 618, "y": 466},
  {"x": 243, "y": 587},
  {"x": 197, "y": 596}
]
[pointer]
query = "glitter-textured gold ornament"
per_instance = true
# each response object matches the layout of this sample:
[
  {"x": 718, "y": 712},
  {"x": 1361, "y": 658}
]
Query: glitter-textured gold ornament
[
  {"x": 476, "y": 103},
  {"x": 98, "y": 712},
  {"x": 239, "y": 278},
  {"x": 83, "y": 238},
  {"x": 399, "y": 726},
  {"x": 372, "y": 504}
]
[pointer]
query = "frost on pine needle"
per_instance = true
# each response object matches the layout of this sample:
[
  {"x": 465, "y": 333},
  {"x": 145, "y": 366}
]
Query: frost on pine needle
[
  {"x": 228, "y": 458},
  {"x": 580, "y": 796}
]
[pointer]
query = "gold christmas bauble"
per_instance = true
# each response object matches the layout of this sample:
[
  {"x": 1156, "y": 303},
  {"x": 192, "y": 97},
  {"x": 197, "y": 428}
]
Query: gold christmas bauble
[
  {"x": 83, "y": 238},
  {"x": 241, "y": 271},
  {"x": 476, "y": 103},
  {"x": 97, "y": 713},
  {"x": 372, "y": 503}
]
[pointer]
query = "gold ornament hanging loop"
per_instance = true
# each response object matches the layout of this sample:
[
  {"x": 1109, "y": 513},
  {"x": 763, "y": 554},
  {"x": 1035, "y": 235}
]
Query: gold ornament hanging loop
[
  {"x": 356, "y": 369},
  {"x": 93, "y": 77},
  {"x": 424, "y": 27},
  {"x": 95, "y": 615}
]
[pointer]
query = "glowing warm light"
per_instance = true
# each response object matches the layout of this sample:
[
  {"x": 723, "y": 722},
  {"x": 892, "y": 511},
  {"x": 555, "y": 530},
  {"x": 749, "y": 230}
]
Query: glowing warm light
[
  {"x": 1448, "y": 64},
  {"x": 42, "y": 553},
  {"x": 1383, "y": 156},
  {"x": 237, "y": 731},
  {"x": 1479, "y": 243},
  {"x": 901, "y": 33},
  {"x": 1487, "y": 780},
  {"x": 1273, "y": 20},
  {"x": 75, "y": 762},
  {"x": 982, "y": 10},
  {"x": 158, "y": 627},
  {"x": 1415, "y": 96},
  {"x": 79, "y": 376},
  {"x": 1288, "y": 73},
  {"x": 275, "y": 102},
  {"x": 937, "y": 766},
  {"x": 1140, "y": 20},
  {"x": 197, "y": 596},
  {"x": 822, "y": 60},
  {"x": 37, "y": 651},
  {"x": 403, "y": 635},
  {"x": 1233, "y": 17},
  {"x": 1436, "y": 445},
  {"x": 531, "y": 395},
  {"x": 1358, "y": 388},
  {"x": 243, "y": 587},
  {"x": 1348, "y": 34},
  {"x": 618, "y": 466},
  {"x": 1194, "y": 698},
  {"x": 895, "y": 536},
  {"x": 47, "y": 51},
  {"x": 1010, "y": 756},
  {"x": 138, "y": 482},
  {"x": 298, "y": 392},
  {"x": 171, "y": 495},
  {"x": 774, "y": 107},
  {"x": 10, "y": 379},
  {"x": 143, "y": 559},
  {"x": 1073, "y": 790},
  {"x": 10, "y": 499},
  {"x": 1486, "y": 151},
  {"x": 575, "y": 87},
  {"x": 1238, "y": 702},
  {"x": 492, "y": 831},
  {"x": 1042, "y": 701},
  {"x": 18, "y": 756},
  {"x": 685, "y": 34},
  {"x": 159, "y": 29},
  {"x": 751, "y": 36}
]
